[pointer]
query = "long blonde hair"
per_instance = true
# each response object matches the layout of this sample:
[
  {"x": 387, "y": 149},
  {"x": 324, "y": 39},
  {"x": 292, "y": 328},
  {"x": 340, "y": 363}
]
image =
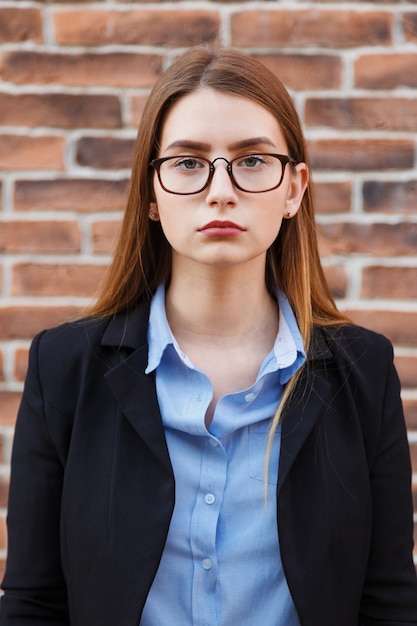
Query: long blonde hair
[{"x": 142, "y": 259}]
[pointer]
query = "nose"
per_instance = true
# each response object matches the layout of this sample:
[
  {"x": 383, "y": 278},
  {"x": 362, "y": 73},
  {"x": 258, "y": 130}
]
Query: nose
[{"x": 221, "y": 190}]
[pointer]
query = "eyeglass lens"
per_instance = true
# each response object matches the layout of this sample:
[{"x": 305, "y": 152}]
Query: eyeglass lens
[{"x": 251, "y": 172}]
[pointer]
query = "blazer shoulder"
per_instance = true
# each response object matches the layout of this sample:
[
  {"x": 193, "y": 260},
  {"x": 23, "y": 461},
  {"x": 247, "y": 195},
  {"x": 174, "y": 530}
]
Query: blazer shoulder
[{"x": 353, "y": 343}]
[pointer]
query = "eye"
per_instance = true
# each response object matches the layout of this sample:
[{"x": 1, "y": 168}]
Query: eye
[
  {"x": 251, "y": 161},
  {"x": 188, "y": 163}
]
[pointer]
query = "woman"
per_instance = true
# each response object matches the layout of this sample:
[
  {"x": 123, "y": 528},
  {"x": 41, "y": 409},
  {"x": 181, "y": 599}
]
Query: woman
[{"x": 215, "y": 443}]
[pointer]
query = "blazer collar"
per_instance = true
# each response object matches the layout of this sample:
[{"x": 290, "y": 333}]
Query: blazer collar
[
  {"x": 134, "y": 390},
  {"x": 136, "y": 393},
  {"x": 128, "y": 329}
]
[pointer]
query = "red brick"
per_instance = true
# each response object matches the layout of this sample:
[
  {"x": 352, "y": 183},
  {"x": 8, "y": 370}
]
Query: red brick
[
  {"x": 410, "y": 26},
  {"x": 413, "y": 453},
  {"x": 60, "y": 110},
  {"x": 367, "y": 113},
  {"x": 3, "y": 534},
  {"x": 105, "y": 152},
  {"x": 20, "y": 363},
  {"x": 19, "y": 152},
  {"x": 325, "y": 28},
  {"x": 22, "y": 24},
  {"x": 4, "y": 490},
  {"x": 78, "y": 1},
  {"x": 137, "y": 104},
  {"x": 302, "y": 71},
  {"x": 23, "y": 322},
  {"x": 137, "y": 27},
  {"x": 390, "y": 197},
  {"x": 398, "y": 326},
  {"x": 82, "y": 195},
  {"x": 49, "y": 237},
  {"x": 104, "y": 235},
  {"x": 410, "y": 411},
  {"x": 389, "y": 282},
  {"x": 9, "y": 404},
  {"x": 379, "y": 240},
  {"x": 3, "y": 459},
  {"x": 333, "y": 197},
  {"x": 337, "y": 280},
  {"x": 407, "y": 370},
  {"x": 119, "y": 69},
  {"x": 43, "y": 280},
  {"x": 386, "y": 71},
  {"x": 359, "y": 155}
]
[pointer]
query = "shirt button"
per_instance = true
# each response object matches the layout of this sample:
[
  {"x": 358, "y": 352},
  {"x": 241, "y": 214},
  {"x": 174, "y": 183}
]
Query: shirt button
[
  {"x": 207, "y": 564},
  {"x": 210, "y": 498},
  {"x": 213, "y": 443},
  {"x": 249, "y": 397}
]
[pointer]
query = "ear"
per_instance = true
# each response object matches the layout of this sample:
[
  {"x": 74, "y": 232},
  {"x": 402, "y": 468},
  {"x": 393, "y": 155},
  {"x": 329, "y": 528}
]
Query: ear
[
  {"x": 298, "y": 185},
  {"x": 153, "y": 212}
]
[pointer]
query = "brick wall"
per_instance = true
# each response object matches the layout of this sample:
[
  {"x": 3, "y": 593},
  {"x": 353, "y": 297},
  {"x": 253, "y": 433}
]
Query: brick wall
[{"x": 73, "y": 80}]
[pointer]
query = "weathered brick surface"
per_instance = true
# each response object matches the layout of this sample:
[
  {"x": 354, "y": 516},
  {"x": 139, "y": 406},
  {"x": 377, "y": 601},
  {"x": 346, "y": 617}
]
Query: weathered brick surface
[
  {"x": 35, "y": 279},
  {"x": 362, "y": 113},
  {"x": 37, "y": 236},
  {"x": 74, "y": 78},
  {"x": 390, "y": 197},
  {"x": 9, "y": 402},
  {"x": 389, "y": 282},
  {"x": 105, "y": 152},
  {"x": 410, "y": 412},
  {"x": 140, "y": 27},
  {"x": 83, "y": 195},
  {"x": 19, "y": 152},
  {"x": 301, "y": 71},
  {"x": 60, "y": 110},
  {"x": 359, "y": 155},
  {"x": 333, "y": 197},
  {"x": 104, "y": 235},
  {"x": 120, "y": 69},
  {"x": 326, "y": 28},
  {"x": 19, "y": 25},
  {"x": 23, "y": 322},
  {"x": 379, "y": 240},
  {"x": 386, "y": 71}
]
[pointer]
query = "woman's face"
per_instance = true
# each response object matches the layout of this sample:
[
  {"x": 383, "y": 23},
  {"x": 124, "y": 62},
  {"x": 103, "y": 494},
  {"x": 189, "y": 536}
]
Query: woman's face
[{"x": 222, "y": 226}]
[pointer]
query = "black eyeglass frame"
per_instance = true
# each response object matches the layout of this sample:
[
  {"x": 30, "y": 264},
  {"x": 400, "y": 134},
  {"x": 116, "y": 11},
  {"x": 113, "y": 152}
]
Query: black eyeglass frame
[{"x": 283, "y": 158}]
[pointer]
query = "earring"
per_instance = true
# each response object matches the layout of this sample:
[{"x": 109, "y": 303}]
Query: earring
[
  {"x": 288, "y": 214},
  {"x": 153, "y": 211}
]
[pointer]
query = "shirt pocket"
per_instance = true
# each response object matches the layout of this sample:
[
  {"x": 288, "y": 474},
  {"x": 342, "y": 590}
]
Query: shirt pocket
[{"x": 258, "y": 435}]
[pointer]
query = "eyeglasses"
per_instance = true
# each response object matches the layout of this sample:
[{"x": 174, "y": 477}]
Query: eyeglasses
[{"x": 254, "y": 173}]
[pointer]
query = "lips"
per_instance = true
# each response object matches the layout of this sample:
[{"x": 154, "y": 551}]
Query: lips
[{"x": 220, "y": 228}]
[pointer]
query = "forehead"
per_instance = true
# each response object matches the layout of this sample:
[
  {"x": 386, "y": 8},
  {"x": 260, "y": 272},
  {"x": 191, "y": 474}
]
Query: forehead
[{"x": 211, "y": 117}]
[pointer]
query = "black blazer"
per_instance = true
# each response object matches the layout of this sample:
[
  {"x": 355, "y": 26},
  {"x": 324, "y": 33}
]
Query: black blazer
[{"x": 92, "y": 488}]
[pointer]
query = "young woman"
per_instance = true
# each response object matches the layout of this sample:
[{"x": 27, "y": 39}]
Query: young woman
[{"x": 215, "y": 444}]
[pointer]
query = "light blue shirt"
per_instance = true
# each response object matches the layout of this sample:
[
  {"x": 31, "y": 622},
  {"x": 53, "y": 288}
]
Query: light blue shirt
[{"x": 221, "y": 564}]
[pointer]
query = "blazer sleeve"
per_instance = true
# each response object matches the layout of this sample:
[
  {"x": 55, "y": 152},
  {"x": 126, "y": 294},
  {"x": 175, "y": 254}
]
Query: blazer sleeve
[
  {"x": 34, "y": 585},
  {"x": 390, "y": 588}
]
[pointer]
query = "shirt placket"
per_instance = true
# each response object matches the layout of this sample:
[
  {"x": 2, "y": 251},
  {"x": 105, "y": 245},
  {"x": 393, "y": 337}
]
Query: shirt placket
[{"x": 203, "y": 531}]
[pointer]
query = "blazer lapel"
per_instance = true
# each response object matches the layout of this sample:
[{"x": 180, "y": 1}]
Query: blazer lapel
[
  {"x": 309, "y": 399},
  {"x": 135, "y": 391}
]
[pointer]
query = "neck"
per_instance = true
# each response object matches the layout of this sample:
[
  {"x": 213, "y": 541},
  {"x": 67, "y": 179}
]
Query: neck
[{"x": 223, "y": 304}]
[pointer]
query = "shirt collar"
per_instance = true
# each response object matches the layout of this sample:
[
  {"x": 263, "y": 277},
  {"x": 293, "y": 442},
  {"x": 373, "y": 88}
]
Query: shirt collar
[{"x": 287, "y": 354}]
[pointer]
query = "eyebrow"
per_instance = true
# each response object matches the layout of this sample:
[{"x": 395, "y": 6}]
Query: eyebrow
[{"x": 189, "y": 144}]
